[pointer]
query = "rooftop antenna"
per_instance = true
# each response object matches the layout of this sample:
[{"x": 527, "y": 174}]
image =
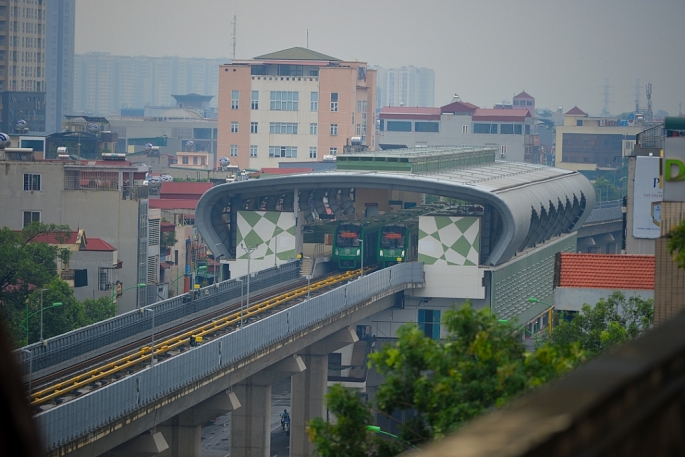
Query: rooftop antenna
[
  {"x": 233, "y": 44},
  {"x": 637, "y": 95},
  {"x": 605, "y": 110},
  {"x": 307, "y": 38}
]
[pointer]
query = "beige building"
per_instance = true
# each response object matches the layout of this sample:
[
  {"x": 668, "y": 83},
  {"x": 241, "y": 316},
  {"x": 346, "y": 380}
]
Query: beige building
[
  {"x": 22, "y": 65},
  {"x": 103, "y": 199},
  {"x": 293, "y": 105},
  {"x": 588, "y": 143}
]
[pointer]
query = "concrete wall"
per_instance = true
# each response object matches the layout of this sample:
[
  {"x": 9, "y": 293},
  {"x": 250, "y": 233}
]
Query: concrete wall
[
  {"x": 573, "y": 299},
  {"x": 92, "y": 261}
]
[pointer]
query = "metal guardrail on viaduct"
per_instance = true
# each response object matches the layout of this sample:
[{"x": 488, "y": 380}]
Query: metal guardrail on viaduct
[
  {"x": 629, "y": 403},
  {"x": 87, "y": 418}
]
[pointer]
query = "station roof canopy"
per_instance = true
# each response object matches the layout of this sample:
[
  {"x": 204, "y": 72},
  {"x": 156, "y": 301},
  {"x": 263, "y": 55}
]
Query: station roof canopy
[{"x": 532, "y": 202}]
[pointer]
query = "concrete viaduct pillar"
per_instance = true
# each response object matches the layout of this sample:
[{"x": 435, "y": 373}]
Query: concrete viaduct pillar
[
  {"x": 251, "y": 424},
  {"x": 183, "y": 432},
  {"x": 308, "y": 389}
]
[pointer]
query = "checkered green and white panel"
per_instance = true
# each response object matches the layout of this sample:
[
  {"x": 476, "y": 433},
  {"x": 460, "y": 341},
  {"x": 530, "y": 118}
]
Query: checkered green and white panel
[
  {"x": 449, "y": 240},
  {"x": 261, "y": 229}
]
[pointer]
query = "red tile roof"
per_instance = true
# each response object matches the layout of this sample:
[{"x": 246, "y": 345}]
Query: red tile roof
[
  {"x": 409, "y": 112},
  {"x": 187, "y": 188},
  {"x": 458, "y": 107},
  {"x": 97, "y": 244},
  {"x": 57, "y": 238},
  {"x": 607, "y": 271},
  {"x": 500, "y": 114},
  {"x": 576, "y": 111},
  {"x": 173, "y": 203},
  {"x": 523, "y": 94}
]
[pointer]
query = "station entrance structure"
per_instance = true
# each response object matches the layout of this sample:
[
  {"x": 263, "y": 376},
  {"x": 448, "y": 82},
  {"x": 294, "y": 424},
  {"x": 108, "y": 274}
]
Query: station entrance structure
[{"x": 527, "y": 214}]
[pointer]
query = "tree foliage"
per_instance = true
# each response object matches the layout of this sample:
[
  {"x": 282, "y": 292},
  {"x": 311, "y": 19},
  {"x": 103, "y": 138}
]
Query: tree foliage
[
  {"x": 609, "y": 322},
  {"x": 348, "y": 437},
  {"x": 676, "y": 244},
  {"x": 481, "y": 364},
  {"x": 606, "y": 190},
  {"x": 26, "y": 267}
]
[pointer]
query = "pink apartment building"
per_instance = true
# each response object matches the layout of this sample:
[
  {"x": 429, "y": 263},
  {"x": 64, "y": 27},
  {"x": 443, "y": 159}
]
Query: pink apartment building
[{"x": 293, "y": 105}]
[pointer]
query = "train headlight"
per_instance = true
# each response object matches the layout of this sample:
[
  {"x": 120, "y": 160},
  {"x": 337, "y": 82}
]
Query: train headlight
[
  {"x": 402, "y": 253},
  {"x": 336, "y": 252},
  {"x": 358, "y": 251},
  {"x": 381, "y": 253}
]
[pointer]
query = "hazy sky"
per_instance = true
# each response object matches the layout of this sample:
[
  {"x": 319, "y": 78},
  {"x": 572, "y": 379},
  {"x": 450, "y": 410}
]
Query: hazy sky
[{"x": 484, "y": 50}]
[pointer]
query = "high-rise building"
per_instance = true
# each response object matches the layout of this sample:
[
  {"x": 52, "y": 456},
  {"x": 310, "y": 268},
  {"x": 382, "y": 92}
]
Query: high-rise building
[
  {"x": 292, "y": 105},
  {"x": 105, "y": 84},
  {"x": 22, "y": 65},
  {"x": 405, "y": 86},
  {"x": 59, "y": 62}
]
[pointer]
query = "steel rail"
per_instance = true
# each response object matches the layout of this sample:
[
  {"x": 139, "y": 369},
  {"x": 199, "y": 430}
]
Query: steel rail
[{"x": 146, "y": 352}]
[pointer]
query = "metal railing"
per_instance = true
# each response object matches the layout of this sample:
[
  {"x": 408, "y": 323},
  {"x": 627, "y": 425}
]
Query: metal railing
[
  {"x": 78, "y": 417},
  {"x": 90, "y": 341}
]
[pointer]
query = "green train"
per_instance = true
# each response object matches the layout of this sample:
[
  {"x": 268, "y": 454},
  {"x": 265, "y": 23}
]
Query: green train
[{"x": 386, "y": 239}]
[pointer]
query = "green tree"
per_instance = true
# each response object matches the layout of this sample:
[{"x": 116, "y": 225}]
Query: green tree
[
  {"x": 96, "y": 310},
  {"x": 605, "y": 190},
  {"x": 481, "y": 364},
  {"x": 611, "y": 321},
  {"x": 57, "y": 320},
  {"x": 349, "y": 436},
  {"x": 676, "y": 244}
]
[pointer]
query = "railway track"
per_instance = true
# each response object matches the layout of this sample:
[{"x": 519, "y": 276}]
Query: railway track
[{"x": 82, "y": 378}]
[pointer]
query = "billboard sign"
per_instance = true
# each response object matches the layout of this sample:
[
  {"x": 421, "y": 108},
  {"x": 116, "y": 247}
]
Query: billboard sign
[
  {"x": 648, "y": 195},
  {"x": 674, "y": 159}
]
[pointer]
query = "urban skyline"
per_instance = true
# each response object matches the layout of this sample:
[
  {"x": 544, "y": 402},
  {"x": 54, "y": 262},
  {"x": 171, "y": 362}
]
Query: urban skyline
[{"x": 562, "y": 55}]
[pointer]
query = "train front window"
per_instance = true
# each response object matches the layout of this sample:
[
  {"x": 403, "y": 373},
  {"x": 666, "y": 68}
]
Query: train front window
[
  {"x": 348, "y": 236},
  {"x": 392, "y": 237}
]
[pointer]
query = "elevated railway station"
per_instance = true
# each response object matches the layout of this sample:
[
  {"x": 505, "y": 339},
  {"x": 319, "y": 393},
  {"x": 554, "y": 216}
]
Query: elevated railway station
[{"x": 142, "y": 383}]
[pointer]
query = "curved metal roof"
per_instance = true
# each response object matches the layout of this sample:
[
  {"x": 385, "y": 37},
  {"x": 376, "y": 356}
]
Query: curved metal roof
[{"x": 534, "y": 202}]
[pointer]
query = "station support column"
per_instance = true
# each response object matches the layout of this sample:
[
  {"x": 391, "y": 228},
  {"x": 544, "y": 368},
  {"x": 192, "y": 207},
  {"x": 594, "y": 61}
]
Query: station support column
[
  {"x": 309, "y": 388},
  {"x": 250, "y": 425}
]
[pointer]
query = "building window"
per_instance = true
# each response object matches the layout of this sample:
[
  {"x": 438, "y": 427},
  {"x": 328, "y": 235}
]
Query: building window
[
  {"x": 399, "y": 126},
  {"x": 312, "y": 153},
  {"x": 579, "y": 122},
  {"x": 359, "y": 129},
  {"x": 253, "y": 150},
  {"x": 529, "y": 102},
  {"x": 334, "y": 101},
  {"x": 359, "y": 106},
  {"x": 184, "y": 160},
  {"x": 503, "y": 150},
  {"x": 253, "y": 127},
  {"x": 314, "y": 101},
  {"x": 194, "y": 160},
  {"x": 255, "y": 100},
  {"x": 507, "y": 129},
  {"x": 31, "y": 216},
  {"x": 234, "y": 150},
  {"x": 484, "y": 128},
  {"x": 333, "y": 151},
  {"x": 283, "y": 100},
  {"x": 517, "y": 129},
  {"x": 234, "y": 99},
  {"x": 527, "y": 129},
  {"x": 31, "y": 181},
  {"x": 464, "y": 129},
  {"x": 334, "y": 129},
  {"x": 104, "y": 278},
  {"x": 313, "y": 128},
  {"x": 289, "y": 152},
  {"x": 429, "y": 323},
  {"x": 516, "y": 102},
  {"x": 234, "y": 127},
  {"x": 283, "y": 128},
  {"x": 432, "y": 127}
]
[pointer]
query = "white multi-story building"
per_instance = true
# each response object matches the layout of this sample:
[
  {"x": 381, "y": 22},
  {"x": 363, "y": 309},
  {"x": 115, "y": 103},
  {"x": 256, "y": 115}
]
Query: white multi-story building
[
  {"x": 293, "y": 105},
  {"x": 457, "y": 124},
  {"x": 104, "y": 84},
  {"x": 405, "y": 86}
]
